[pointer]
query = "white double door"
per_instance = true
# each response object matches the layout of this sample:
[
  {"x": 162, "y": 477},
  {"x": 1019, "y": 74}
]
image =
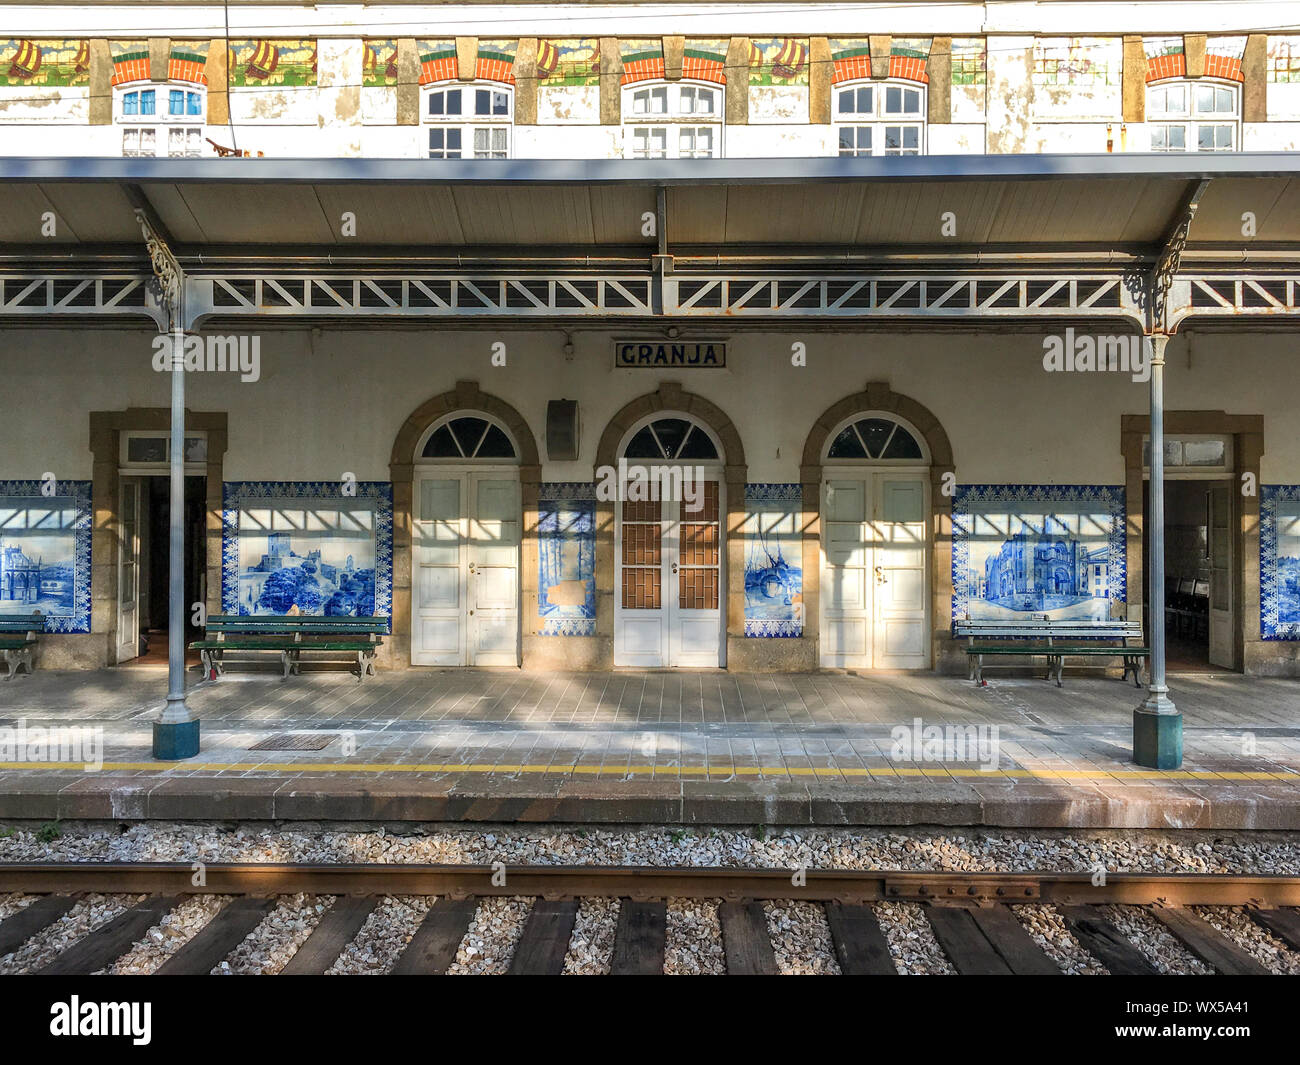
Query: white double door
[
  {"x": 668, "y": 609},
  {"x": 874, "y": 580},
  {"x": 465, "y": 569}
]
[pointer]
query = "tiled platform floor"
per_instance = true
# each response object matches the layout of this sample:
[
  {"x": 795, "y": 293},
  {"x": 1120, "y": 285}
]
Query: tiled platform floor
[{"x": 445, "y": 745}]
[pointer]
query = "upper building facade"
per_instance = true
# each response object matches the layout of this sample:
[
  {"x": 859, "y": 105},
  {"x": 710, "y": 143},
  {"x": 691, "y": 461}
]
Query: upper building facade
[{"x": 623, "y": 80}]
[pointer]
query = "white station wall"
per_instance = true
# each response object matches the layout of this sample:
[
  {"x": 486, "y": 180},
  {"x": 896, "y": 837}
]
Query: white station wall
[{"x": 331, "y": 402}]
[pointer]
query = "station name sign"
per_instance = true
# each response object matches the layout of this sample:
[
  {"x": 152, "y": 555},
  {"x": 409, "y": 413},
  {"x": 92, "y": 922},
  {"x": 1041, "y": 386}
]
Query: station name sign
[{"x": 658, "y": 354}]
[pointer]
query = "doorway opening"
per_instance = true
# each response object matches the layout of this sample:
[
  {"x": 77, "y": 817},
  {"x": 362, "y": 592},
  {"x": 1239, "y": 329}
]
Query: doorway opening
[
  {"x": 465, "y": 546},
  {"x": 875, "y": 542},
  {"x": 144, "y": 571},
  {"x": 669, "y": 542},
  {"x": 1200, "y": 626}
]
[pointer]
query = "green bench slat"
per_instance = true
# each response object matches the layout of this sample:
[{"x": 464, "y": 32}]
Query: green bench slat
[
  {"x": 241, "y": 645},
  {"x": 1059, "y": 650}
]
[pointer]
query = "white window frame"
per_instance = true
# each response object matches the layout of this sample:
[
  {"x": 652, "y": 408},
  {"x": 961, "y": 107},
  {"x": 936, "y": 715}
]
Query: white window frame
[
  {"x": 866, "y": 460},
  {"x": 467, "y": 123},
  {"x": 137, "y": 467},
  {"x": 162, "y": 126},
  {"x": 876, "y": 119},
  {"x": 1180, "y": 470},
  {"x": 665, "y": 120},
  {"x": 1188, "y": 118}
]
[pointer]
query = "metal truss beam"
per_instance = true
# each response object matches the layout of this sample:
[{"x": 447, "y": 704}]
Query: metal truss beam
[
  {"x": 432, "y": 296},
  {"x": 1225, "y": 295},
  {"x": 104, "y": 295},
  {"x": 730, "y": 296},
  {"x": 884, "y": 296},
  {"x": 894, "y": 296}
]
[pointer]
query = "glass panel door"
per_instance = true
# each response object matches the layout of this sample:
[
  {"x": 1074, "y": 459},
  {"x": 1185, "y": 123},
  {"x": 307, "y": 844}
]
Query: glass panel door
[
  {"x": 128, "y": 570},
  {"x": 438, "y": 578}
]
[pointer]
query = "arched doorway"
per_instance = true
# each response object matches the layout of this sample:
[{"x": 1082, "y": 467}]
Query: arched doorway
[
  {"x": 670, "y": 569},
  {"x": 875, "y": 543},
  {"x": 465, "y": 542}
]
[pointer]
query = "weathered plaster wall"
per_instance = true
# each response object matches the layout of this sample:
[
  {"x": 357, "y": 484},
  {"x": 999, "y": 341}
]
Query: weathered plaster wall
[{"x": 331, "y": 402}]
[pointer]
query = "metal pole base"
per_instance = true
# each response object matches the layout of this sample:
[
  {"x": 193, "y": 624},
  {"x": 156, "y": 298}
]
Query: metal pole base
[
  {"x": 1157, "y": 738},
  {"x": 174, "y": 741}
]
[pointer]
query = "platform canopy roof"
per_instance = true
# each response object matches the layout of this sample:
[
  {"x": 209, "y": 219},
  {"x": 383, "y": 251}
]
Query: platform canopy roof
[{"x": 1009, "y": 206}]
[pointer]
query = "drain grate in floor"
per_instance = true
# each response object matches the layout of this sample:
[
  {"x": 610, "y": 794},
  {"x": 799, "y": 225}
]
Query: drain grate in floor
[{"x": 294, "y": 741}]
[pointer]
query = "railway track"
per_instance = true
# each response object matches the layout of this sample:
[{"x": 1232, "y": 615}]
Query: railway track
[{"x": 971, "y": 914}]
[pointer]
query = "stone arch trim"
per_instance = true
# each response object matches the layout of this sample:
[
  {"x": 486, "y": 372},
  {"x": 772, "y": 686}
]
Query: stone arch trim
[
  {"x": 878, "y": 396},
  {"x": 671, "y": 398},
  {"x": 465, "y": 396},
  {"x": 401, "y": 466}
]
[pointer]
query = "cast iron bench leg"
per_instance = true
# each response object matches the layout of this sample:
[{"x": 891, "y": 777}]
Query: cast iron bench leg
[
  {"x": 23, "y": 658},
  {"x": 1134, "y": 663}
]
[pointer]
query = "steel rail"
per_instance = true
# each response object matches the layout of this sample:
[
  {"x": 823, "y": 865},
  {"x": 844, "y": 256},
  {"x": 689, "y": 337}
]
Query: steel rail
[{"x": 642, "y": 882}]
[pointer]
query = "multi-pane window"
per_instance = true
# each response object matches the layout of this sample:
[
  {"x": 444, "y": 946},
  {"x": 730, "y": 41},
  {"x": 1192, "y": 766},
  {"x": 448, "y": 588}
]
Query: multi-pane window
[
  {"x": 161, "y": 120},
  {"x": 468, "y": 122},
  {"x": 1193, "y": 116},
  {"x": 672, "y": 121},
  {"x": 880, "y": 119}
]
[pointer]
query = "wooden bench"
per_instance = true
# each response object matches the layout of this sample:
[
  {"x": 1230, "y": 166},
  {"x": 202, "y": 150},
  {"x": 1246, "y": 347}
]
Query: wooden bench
[
  {"x": 289, "y": 637},
  {"x": 18, "y": 633},
  {"x": 1042, "y": 637}
]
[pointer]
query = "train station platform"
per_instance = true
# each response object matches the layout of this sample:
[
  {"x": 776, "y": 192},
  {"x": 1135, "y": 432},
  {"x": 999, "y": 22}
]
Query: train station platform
[{"x": 650, "y": 747}]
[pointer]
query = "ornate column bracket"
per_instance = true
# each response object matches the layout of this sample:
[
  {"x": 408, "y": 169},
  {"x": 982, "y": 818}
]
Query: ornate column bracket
[
  {"x": 168, "y": 284},
  {"x": 1161, "y": 279}
]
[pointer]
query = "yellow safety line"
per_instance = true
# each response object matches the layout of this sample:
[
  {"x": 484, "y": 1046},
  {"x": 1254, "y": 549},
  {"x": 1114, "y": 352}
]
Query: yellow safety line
[{"x": 667, "y": 770}]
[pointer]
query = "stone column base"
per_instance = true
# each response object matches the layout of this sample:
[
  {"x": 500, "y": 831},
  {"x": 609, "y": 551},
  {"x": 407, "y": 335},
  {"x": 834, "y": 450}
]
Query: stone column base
[
  {"x": 1157, "y": 739},
  {"x": 172, "y": 742}
]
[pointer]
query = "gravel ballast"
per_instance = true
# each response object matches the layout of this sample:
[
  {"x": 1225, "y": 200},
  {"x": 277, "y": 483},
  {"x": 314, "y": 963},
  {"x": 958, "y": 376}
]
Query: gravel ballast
[
  {"x": 268, "y": 947},
  {"x": 591, "y": 947},
  {"x": 798, "y": 931},
  {"x": 823, "y": 848}
]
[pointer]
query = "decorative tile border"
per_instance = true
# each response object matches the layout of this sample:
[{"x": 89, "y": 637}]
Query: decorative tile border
[
  {"x": 774, "y": 493},
  {"x": 551, "y": 491},
  {"x": 238, "y": 495},
  {"x": 968, "y": 499},
  {"x": 77, "y": 495},
  {"x": 1278, "y": 584}
]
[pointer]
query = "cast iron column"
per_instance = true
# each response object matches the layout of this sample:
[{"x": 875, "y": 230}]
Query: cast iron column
[
  {"x": 176, "y": 732},
  {"x": 1157, "y": 723}
]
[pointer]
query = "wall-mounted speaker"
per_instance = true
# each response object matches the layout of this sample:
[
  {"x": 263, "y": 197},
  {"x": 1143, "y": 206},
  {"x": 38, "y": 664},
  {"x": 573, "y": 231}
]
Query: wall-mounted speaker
[{"x": 562, "y": 430}]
